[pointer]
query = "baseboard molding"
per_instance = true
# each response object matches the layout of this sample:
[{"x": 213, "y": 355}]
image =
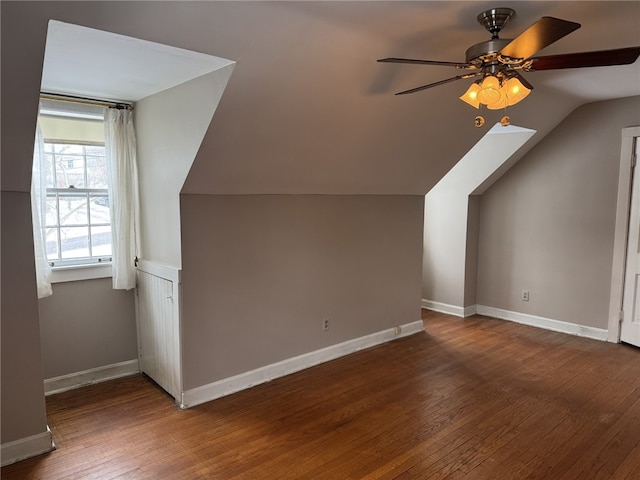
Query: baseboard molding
[
  {"x": 546, "y": 323},
  {"x": 221, "y": 388},
  {"x": 470, "y": 310},
  {"x": 449, "y": 309},
  {"x": 23, "y": 448},
  {"x": 88, "y": 377}
]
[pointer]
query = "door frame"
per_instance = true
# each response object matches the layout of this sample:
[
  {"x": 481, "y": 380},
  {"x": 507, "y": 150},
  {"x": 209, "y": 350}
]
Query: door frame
[{"x": 621, "y": 231}]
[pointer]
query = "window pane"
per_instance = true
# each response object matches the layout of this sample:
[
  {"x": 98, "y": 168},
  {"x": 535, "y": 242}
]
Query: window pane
[
  {"x": 62, "y": 173},
  {"x": 52, "y": 244},
  {"x": 78, "y": 221},
  {"x": 73, "y": 209},
  {"x": 97, "y": 172},
  {"x": 66, "y": 148},
  {"x": 101, "y": 241},
  {"x": 97, "y": 150},
  {"x": 74, "y": 242},
  {"x": 99, "y": 211},
  {"x": 52, "y": 211},
  {"x": 48, "y": 170},
  {"x": 70, "y": 171}
]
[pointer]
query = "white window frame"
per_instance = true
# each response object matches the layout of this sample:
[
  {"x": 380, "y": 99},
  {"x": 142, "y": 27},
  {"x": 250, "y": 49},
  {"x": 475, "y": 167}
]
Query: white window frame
[
  {"x": 74, "y": 273},
  {"x": 70, "y": 270}
]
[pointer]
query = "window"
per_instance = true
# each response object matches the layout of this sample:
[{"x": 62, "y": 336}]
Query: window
[{"x": 77, "y": 217}]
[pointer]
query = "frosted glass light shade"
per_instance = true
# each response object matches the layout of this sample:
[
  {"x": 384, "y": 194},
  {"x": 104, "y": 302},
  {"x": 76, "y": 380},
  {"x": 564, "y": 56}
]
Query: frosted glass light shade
[
  {"x": 471, "y": 95},
  {"x": 515, "y": 91},
  {"x": 489, "y": 91},
  {"x": 502, "y": 103},
  {"x": 496, "y": 92}
]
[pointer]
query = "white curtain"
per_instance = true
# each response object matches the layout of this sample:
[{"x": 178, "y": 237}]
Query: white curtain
[
  {"x": 39, "y": 212},
  {"x": 120, "y": 144}
]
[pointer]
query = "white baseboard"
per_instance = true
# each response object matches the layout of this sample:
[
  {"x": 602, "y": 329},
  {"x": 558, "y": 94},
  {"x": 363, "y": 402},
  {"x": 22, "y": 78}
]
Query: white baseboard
[
  {"x": 23, "y": 448},
  {"x": 88, "y": 377},
  {"x": 449, "y": 309},
  {"x": 470, "y": 310},
  {"x": 546, "y": 323},
  {"x": 227, "y": 386}
]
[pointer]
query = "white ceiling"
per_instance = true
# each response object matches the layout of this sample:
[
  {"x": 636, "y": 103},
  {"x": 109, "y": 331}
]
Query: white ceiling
[{"x": 92, "y": 63}]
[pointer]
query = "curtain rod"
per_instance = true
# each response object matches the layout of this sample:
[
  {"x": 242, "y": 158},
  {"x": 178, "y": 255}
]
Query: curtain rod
[{"x": 85, "y": 101}]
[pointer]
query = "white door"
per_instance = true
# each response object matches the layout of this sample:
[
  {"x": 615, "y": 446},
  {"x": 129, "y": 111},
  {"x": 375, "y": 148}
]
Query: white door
[
  {"x": 630, "y": 326},
  {"x": 157, "y": 331}
]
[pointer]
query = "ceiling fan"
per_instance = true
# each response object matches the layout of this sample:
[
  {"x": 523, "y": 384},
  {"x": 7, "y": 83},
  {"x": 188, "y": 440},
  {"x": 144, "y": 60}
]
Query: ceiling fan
[{"x": 498, "y": 62}]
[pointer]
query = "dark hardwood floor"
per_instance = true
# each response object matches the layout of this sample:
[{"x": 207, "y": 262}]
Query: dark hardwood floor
[{"x": 473, "y": 398}]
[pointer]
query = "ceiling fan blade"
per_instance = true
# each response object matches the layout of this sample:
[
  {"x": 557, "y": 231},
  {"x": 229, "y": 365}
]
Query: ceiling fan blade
[
  {"x": 441, "y": 82},
  {"x": 426, "y": 62},
  {"x": 602, "y": 58},
  {"x": 538, "y": 36}
]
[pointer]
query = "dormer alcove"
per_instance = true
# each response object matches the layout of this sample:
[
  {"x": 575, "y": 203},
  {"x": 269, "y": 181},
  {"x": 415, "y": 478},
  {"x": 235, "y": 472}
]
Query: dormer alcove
[{"x": 175, "y": 93}]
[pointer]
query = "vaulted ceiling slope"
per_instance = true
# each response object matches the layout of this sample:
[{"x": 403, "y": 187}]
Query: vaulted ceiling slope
[{"x": 308, "y": 109}]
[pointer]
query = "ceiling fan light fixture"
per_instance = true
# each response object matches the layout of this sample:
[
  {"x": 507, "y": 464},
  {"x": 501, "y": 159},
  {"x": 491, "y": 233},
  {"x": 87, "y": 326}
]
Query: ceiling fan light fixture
[
  {"x": 500, "y": 60},
  {"x": 500, "y": 104},
  {"x": 471, "y": 95},
  {"x": 515, "y": 91},
  {"x": 496, "y": 92},
  {"x": 490, "y": 90}
]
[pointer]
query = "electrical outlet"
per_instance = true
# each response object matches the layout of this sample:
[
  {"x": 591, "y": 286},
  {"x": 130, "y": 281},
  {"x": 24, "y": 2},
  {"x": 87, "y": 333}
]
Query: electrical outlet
[
  {"x": 525, "y": 295},
  {"x": 325, "y": 324},
  {"x": 398, "y": 330}
]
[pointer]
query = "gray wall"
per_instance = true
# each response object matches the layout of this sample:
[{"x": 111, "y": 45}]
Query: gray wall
[
  {"x": 471, "y": 251},
  {"x": 86, "y": 325},
  {"x": 261, "y": 272},
  {"x": 23, "y": 408},
  {"x": 548, "y": 225}
]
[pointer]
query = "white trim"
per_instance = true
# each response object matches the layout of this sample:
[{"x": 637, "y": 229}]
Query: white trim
[
  {"x": 88, "y": 377},
  {"x": 23, "y": 448},
  {"x": 449, "y": 309},
  {"x": 172, "y": 274},
  {"x": 621, "y": 232},
  {"x": 546, "y": 323},
  {"x": 74, "y": 273},
  {"x": 264, "y": 374},
  {"x": 470, "y": 310}
]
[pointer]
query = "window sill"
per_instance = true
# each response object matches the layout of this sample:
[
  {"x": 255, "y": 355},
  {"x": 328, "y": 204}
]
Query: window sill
[{"x": 80, "y": 272}]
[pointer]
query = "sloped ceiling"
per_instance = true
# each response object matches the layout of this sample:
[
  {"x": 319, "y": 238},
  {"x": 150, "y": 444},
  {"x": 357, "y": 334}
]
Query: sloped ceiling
[
  {"x": 308, "y": 109},
  {"x": 93, "y": 63}
]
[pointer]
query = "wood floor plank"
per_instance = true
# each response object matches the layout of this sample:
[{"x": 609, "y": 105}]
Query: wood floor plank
[
  {"x": 475, "y": 398},
  {"x": 629, "y": 469},
  {"x": 609, "y": 450}
]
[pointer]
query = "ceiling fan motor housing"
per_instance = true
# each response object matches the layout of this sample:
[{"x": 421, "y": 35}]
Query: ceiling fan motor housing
[
  {"x": 486, "y": 51},
  {"x": 493, "y": 20}
]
